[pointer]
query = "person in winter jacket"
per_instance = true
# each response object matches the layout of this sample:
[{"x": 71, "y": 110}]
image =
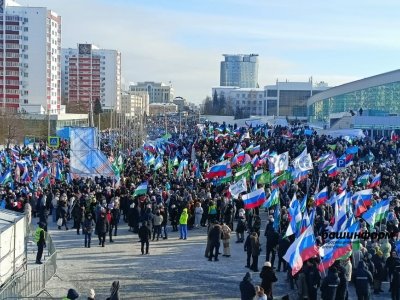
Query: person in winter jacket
[
  {"x": 268, "y": 277},
  {"x": 114, "y": 291},
  {"x": 272, "y": 241},
  {"x": 247, "y": 288},
  {"x": 226, "y": 237},
  {"x": 102, "y": 227},
  {"x": 395, "y": 282},
  {"x": 157, "y": 221},
  {"x": 379, "y": 276},
  {"x": 247, "y": 249},
  {"x": 215, "y": 241},
  {"x": 302, "y": 288},
  {"x": 144, "y": 236},
  {"x": 116, "y": 215},
  {"x": 313, "y": 279},
  {"x": 87, "y": 228},
  {"x": 164, "y": 214},
  {"x": 240, "y": 228},
  {"x": 341, "y": 292},
  {"x": 390, "y": 264},
  {"x": 330, "y": 284},
  {"x": 183, "y": 224},
  {"x": 283, "y": 246},
  {"x": 255, "y": 251},
  {"x": 198, "y": 213},
  {"x": 174, "y": 217},
  {"x": 71, "y": 295},
  {"x": 363, "y": 281}
]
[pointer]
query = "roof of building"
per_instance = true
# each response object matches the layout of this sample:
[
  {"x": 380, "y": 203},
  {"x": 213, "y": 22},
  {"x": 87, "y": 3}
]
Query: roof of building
[
  {"x": 376, "y": 80},
  {"x": 8, "y": 217}
]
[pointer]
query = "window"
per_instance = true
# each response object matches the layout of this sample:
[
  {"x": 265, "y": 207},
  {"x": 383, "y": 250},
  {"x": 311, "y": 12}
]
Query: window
[{"x": 272, "y": 93}]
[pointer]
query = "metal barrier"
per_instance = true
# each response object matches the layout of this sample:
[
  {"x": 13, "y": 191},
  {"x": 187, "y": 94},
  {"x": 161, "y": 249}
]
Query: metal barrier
[{"x": 32, "y": 281}]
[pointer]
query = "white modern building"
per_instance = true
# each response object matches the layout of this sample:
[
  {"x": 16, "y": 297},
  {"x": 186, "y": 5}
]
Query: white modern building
[
  {"x": 88, "y": 74},
  {"x": 134, "y": 104},
  {"x": 286, "y": 99},
  {"x": 30, "y": 75},
  {"x": 158, "y": 91}
]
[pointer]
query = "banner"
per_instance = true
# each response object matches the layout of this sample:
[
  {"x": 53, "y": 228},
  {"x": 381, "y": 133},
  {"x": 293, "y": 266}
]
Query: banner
[{"x": 238, "y": 187}]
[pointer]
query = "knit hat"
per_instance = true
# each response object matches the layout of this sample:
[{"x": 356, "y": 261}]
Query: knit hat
[
  {"x": 267, "y": 264},
  {"x": 91, "y": 294}
]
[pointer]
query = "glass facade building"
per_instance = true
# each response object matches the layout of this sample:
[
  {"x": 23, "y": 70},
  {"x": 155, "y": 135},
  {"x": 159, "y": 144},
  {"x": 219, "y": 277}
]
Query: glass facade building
[
  {"x": 239, "y": 70},
  {"x": 379, "y": 95}
]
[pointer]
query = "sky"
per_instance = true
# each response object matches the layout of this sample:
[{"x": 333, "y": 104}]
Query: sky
[{"x": 182, "y": 41}]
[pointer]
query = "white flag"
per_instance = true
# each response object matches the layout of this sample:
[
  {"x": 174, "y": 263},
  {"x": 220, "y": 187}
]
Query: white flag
[
  {"x": 280, "y": 162},
  {"x": 238, "y": 187},
  {"x": 303, "y": 162}
]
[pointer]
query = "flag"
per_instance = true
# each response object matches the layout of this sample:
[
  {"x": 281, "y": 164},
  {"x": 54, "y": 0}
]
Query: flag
[
  {"x": 303, "y": 204},
  {"x": 327, "y": 162},
  {"x": 296, "y": 217},
  {"x": 265, "y": 178},
  {"x": 6, "y": 177},
  {"x": 264, "y": 154},
  {"x": 238, "y": 187},
  {"x": 280, "y": 180},
  {"x": 303, "y": 162},
  {"x": 238, "y": 158},
  {"x": 242, "y": 174},
  {"x": 359, "y": 207},
  {"x": 254, "y": 199},
  {"x": 333, "y": 171},
  {"x": 376, "y": 181},
  {"x": 255, "y": 161},
  {"x": 352, "y": 150},
  {"x": 273, "y": 199},
  {"x": 345, "y": 161},
  {"x": 377, "y": 213},
  {"x": 305, "y": 222},
  {"x": 321, "y": 197},
  {"x": 365, "y": 196},
  {"x": 277, "y": 217},
  {"x": 141, "y": 189},
  {"x": 363, "y": 179},
  {"x": 280, "y": 162},
  {"x": 218, "y": 170},
  {"x": 302, "y": 249},
  {"x": 336, "y": 249},
  {"x": 255, "y": 150},
  {"x": 229, "y": 154},
  {"x": 340, "y": 219},
  {"x": 299, "y": 176}
]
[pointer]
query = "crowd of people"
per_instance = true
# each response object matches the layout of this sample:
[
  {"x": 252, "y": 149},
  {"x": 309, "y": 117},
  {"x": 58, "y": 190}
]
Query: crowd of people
[{"x": 181, "y": 195}]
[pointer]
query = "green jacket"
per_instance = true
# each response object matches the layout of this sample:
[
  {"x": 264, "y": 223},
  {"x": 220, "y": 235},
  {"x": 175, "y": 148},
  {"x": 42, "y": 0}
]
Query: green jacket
[{"x": 184, "y": 217}]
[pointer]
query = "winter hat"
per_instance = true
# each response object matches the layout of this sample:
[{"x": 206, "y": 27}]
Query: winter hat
[
  {"x": 91, "y": 294},
  {"x": 267, "y": 264},
  {"x": 72, "y": 294}
]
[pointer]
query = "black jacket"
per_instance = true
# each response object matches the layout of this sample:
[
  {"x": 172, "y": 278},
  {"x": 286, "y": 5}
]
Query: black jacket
[
  {"x": 215, "y": 234},
  {"x": 247, "y": 288},
  {"x": 329, "y": 285},
  {"x": 268, "y": 276},
  {"x": 144, "y": 233},
  {"x": 102, "y": 225},
  {"x": 364, "y": 279}
]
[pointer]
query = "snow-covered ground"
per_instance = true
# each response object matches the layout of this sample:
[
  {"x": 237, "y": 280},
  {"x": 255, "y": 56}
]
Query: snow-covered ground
[{"x": 175, "y": 269}]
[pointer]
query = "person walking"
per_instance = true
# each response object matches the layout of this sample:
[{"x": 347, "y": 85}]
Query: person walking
[
  {"x": 164, "y": 223},
  {"x": 247, "y": 249},
  {"x": 40, "y": 240},
  {"x": 183, "y": 224},
  {"x": 272, "y": 241},
  {"x": 157, "y": 220},
  {"x": 240, "y": 228},
  {"x": 226, "y": 237},
  {"x": 268, "y": 277},
  {"x": 144, "y": 236},
  {"x": 215, "y": 241},
  {"x": 116, "y": 216},
  {"x": 87, "y": 228},
  {"x": 247, "y": 288},
  {"x": 102, "y": 227}
]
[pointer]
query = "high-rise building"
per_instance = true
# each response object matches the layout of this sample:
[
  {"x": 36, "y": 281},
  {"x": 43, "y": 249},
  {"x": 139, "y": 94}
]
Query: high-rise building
[
  {"x": 30, "y": 39},
  {"x": 158, "y": 91},
  {"x": 88, "y": 74},
  {"x": 240, "y": 70}
]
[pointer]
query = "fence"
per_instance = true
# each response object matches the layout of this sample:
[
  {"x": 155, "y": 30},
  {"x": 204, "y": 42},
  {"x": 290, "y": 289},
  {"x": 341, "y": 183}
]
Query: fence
[{"x": 32, "y": 281}]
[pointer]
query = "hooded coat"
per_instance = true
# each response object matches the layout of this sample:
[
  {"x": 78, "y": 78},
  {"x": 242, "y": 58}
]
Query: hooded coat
[{"x": 247, "y": 288}]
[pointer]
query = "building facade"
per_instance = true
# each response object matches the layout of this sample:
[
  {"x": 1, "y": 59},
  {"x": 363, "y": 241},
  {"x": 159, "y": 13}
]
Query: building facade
[
  {"x": 135, "y": 104},
  {"x": 239, "y": 70},
  {"x": 180, "y": 102},
  {"x": 289, "y": 99},
  {"x": 159, "y": 109},
  {"x": 30, "y": 79},
  {"x": 88, "y": 74},
  {"x": 377, "y": 96},
  {"x": 286, "y": 99},
  {"x": 158, "y": 91}
]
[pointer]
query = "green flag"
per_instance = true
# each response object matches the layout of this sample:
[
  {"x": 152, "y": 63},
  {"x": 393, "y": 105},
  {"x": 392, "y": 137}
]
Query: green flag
[
  {"x": 265, "y": 178},
  {"x": 247, "y": 167},
  {"x": 243, "y": 173}
]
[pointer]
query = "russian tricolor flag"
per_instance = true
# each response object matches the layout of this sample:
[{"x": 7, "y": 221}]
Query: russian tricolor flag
[
  {"x": 218, "y": 170},
  {"x": 376, "y": 181},
  {"x": 321, "y": 197},
  {"x": 238, "y": 158},
  {"x": 254, "y": 199},
  {"x": 230, "y": 154},
  {"x": 302, "y": 249},
  {"x": 333, "y": 171},
  {"x": 365, "y": 196},
  {"x": 255, "y": 150}
]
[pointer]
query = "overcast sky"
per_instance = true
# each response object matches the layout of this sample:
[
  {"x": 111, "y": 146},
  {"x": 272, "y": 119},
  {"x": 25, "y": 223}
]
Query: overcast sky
[{"x": 182, "y": 41}]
